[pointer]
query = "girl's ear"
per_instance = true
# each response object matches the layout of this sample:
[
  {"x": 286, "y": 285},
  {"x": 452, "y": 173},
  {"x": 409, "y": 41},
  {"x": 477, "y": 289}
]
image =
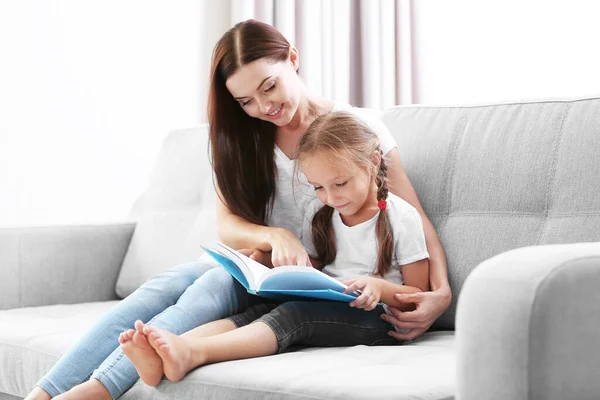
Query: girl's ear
[
  {"x": 376, "y": 159},
  {"x": 294, "y": 58},
  {"x": 376, "y": 162}
]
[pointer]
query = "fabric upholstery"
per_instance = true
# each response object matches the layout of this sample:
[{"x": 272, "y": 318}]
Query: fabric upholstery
[
  {"x": 497, "y": 177},
  {"x": 425, "y": 370},
  {"x": 32, "y": 339},
  {"x": 530, "y": 316},
  {"x": 78, "y": 263},
  {"x": 176, "y": 214}
]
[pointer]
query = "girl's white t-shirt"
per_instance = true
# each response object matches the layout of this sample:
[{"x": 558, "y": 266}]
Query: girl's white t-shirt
[
  {"x": 357, "y": 246},
  {"x": 294, "y": 194}
]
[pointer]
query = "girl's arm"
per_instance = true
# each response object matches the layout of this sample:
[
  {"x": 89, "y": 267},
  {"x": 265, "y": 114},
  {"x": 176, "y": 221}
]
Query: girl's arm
[
  {"x": 374, "y": 289},
  {"x": 236, "y": 232}
]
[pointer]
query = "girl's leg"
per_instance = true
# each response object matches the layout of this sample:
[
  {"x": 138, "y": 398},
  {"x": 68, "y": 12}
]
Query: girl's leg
[
  {"x": 327, "y": 324},
  {"x": 213, "y": 296},
  {"x": 160, "y": 292},
  {"x": 213, "y": 342}
]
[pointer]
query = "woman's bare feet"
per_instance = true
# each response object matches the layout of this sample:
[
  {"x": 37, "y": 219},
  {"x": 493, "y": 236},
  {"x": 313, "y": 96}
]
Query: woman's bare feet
[
  {"x": 175, "y": 352},
  {"x": 90, "y": 390},
  {"x": 144, "y": 358},
  {"x": 38, "y": 394}
]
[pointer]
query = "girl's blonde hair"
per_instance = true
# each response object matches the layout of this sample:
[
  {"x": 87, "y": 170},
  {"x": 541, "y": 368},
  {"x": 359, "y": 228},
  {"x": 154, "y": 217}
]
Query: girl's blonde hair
[{"x": 342, "y": 134}]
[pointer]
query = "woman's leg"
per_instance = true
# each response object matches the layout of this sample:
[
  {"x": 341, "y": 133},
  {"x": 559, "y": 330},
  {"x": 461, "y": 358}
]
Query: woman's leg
[
  {"x": 158, "y": 293},
  {"x": 213, "y": 296}
]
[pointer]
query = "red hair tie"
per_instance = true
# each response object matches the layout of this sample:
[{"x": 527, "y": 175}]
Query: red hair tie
[{"x": 382, "y": 204}]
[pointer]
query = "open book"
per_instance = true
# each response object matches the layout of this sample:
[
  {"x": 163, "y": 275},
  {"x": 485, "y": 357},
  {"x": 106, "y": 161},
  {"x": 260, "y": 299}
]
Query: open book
[{"x": 281, "y": 282}]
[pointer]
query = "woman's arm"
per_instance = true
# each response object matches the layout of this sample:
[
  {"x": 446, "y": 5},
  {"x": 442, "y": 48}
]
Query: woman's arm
[
  {"x": 236, "y": 232},
  {"x": 430, "y": 305}
]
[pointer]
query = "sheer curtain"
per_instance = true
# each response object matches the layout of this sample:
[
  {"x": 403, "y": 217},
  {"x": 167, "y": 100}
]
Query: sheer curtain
[{"x": 352, "y": 51}]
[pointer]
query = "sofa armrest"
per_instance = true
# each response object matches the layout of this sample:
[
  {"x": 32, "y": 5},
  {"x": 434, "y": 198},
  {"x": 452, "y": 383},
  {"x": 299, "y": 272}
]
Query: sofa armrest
[
  {"x": 528, "y": 325},
  {"x": 61, "y": 264}
]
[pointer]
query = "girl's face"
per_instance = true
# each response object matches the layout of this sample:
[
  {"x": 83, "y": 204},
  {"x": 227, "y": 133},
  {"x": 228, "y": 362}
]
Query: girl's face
[
  {"x": 267, "y": 90},
  {"x": 340, "y": 183}
]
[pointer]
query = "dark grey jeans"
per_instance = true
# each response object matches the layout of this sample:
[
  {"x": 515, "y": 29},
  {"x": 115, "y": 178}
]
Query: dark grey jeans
[{"x": 319, "y": 324}]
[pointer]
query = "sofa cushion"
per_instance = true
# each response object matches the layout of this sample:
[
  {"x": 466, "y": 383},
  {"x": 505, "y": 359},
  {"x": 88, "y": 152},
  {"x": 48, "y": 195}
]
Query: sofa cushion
[
  {"x": 423, "y": 370},
  {"x": 176, "y": 214},
  {"x": 32, "y": 339},
  {"x": 497, "y": 177}
]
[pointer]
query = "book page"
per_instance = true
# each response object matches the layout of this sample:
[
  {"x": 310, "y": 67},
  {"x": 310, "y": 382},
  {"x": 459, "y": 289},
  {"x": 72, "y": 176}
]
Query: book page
[
  {"x": 298, "y": 278},
  {"x": 251, "y": 269}
]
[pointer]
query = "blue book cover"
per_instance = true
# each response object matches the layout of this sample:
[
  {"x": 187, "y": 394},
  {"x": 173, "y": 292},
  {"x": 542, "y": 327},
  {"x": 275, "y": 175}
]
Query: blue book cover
[{"x": 282, "y": 283}]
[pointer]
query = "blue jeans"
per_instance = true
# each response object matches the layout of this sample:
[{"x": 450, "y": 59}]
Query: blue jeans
[
  {"x": 319, "y": 324},
  {"x": 178, "y": 300}
]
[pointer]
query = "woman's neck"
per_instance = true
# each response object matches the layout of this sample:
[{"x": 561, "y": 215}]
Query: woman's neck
[{"x": 309, "y": 108}]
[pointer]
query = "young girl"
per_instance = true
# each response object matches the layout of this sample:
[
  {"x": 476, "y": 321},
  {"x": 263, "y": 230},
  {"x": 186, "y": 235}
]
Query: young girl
[{"x": 363, "y": 235}]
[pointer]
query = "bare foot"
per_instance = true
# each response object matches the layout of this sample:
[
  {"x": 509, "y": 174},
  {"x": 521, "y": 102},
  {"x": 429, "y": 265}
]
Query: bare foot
[
  {"x": 175, "y": 352},
  {"x": 38, "y": 394},
  {"x": 143, "y": 357},
  {"x": 89, "y": 390}
]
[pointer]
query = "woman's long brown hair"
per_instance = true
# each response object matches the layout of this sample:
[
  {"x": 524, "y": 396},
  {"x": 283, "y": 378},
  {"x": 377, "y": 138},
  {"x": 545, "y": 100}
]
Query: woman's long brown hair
[
  {"x": 342, "y": 136},
  {"x": 242, "y": 147}
]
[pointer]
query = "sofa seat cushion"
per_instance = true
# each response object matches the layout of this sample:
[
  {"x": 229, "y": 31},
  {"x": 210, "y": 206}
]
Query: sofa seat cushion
[
  {"x": 32, "y": 339},
  {"x": 422, "y": 370}
]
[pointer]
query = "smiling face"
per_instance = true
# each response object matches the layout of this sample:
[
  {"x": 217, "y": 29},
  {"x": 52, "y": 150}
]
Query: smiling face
[
  {"x": 341, "y": 184},
  {"x": 268, "y": 90}
]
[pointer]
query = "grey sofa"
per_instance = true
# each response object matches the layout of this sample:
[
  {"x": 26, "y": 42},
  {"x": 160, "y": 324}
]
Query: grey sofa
[{"x": 512, "y": 189}]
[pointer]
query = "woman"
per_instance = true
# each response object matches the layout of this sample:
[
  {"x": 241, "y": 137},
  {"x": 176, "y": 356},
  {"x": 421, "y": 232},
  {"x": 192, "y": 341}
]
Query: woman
[{"x": 258, "y": 111}]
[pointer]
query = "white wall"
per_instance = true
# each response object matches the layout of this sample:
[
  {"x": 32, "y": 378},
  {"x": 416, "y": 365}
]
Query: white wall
[
  {"x": 473, "y": 51},
  {"x": 88, "y": 90}
]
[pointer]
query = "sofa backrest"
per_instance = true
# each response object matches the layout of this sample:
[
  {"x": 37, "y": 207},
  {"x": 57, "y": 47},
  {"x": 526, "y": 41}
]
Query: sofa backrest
[
  {"x": 176, "y": 213},
  {"x": 497, "y": 177}
]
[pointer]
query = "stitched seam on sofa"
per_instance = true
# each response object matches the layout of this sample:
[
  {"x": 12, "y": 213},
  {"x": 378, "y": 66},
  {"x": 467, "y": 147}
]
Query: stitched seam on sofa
[
  {"x": 554, "y": 271},
  {"x": 553, "y": 170},
  {"x": 195, "y": 382},
  {"x": 398, "y": 109},
  {"x": 458, "y": 138}
]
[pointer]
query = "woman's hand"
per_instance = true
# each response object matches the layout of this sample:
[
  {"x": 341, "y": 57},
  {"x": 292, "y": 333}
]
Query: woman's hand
[
  {"x": 370, "y": 289},
  {"x": 259, "y": 256},
  {"x": 286, "y": 249},
  {"x": 428, "y": 307}
]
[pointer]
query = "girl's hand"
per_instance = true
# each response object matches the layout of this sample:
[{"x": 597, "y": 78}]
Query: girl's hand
[
  {"x": 258, "y": 255},
  {"x": 370, "y": 292},
  {"x": 286, "y": 249}
]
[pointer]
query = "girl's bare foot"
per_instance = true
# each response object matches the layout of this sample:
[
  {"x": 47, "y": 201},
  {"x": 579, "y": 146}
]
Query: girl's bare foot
[
  {"x": 143, "y": 357},
  {"x": 90, "y": 390},
  {"x": 38, "y": 394},
  {"x": 174, "y": 351}
]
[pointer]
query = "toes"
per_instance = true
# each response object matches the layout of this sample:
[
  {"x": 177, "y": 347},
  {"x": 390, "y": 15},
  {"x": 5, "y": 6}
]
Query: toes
[{"x": 139, "y": 326}]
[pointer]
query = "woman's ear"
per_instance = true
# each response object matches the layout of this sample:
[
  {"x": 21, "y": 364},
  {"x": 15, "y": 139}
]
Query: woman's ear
[{"x": 294, "y": 58}]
